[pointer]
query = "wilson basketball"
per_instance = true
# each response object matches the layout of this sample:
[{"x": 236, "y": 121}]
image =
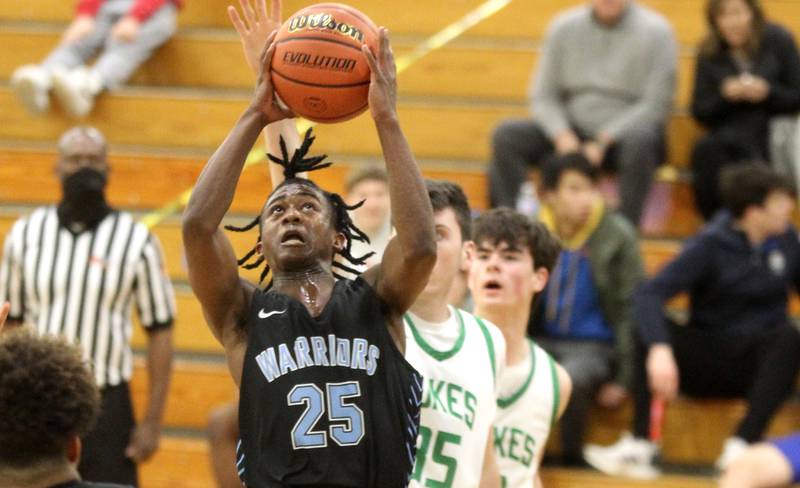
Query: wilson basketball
[{"x": 318, "y": 69}]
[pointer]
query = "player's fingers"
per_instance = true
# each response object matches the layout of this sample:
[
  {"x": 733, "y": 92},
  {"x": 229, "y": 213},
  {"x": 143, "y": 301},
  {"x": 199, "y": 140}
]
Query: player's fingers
[
  {"x": 276, "y": 11},
  {"x": 261, "y": 10},
  {"x": 233, "y": 14},
  {"x": 371, "y": 61},
  {"x": 269, "y": 50},
  {"x": 249, "y": 14}
]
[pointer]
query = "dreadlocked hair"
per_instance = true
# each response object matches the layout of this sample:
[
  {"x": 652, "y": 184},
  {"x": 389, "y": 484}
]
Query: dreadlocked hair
[{"x": 340, "y": 217}]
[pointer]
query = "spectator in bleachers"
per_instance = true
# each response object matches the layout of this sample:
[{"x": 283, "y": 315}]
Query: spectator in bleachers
[
  {"x": 124, "y": 33},
  {"x": 748, "y": 70},
  {"x": 370, "y": 184},
  {"x": 77, "y": 269},
  {"x": 770, "y": 464},
  {"x": 603, "y": 87},
  {"x": 739, "y": 340},
  {"x": 585, "y": 319},
  {"x": 48, "y": 400}
]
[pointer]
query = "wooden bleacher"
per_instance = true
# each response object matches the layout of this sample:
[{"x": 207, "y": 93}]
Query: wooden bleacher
[{"x": 183, "y": 101}]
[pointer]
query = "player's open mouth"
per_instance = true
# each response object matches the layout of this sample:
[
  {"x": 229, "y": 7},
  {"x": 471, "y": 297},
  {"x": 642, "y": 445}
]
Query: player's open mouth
[
  {"x": 492, "y": 285},
  {"x": 293, "y": 238}
]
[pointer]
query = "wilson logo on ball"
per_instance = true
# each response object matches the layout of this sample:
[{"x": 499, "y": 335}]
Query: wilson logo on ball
[{"x": 324, "y": 21}]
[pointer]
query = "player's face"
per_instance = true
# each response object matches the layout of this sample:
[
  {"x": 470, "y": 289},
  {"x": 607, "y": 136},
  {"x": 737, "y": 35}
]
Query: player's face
[
  {"x": 373, "y": 215},
  {"x": 776, "y": 214},
  {"x": 734, "y": 21},
  {"x": 296, "y": 229},
  {"x": 574, "y": 198},
  {"x": 502, "y": 275},
  {"x": 608, "y": 11},
  {"x": 449, "y": 253}
]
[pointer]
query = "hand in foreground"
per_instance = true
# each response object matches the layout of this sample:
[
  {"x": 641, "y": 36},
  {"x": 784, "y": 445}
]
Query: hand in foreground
[
  {"x": 255, "y": 28},
  {"x": 264, "y": 99},
  {"x": 81, "y": 27},
  {"x": 383, "y": 81},
  {"x": 662, "y": 372},
  {"x": 144, "y": 442}
]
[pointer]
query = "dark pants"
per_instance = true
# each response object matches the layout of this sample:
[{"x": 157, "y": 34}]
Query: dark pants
[
  {"x": 518, "y": 145},
  {"x": 590, "y": 365},
  {"x": 760, "y": 367},
  {"x": 711, "y": 154},
  {"x": 103, "y": 457}
]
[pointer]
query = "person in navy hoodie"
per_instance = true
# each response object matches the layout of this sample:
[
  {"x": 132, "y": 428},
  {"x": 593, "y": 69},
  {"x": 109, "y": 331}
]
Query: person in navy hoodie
[{"x": 739, "y": 340}]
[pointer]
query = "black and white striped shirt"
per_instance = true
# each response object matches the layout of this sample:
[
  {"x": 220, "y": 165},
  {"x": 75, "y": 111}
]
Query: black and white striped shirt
[{"x": 83, "y": 286}]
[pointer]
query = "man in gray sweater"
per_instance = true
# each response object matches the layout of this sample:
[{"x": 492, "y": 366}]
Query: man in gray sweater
[{"x": 604, "y": 86}]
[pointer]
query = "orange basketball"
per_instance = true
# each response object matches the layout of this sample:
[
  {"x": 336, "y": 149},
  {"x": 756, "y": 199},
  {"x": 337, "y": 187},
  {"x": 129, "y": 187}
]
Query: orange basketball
[{"x": 318, "y": 68}]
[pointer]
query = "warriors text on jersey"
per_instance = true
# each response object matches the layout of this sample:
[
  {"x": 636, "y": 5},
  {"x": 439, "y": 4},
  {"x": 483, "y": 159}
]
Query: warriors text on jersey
[
  {"x": 528, "y": 404},
  {"x": 327, "y": 400},
  {"x": 459, "y": 361}
]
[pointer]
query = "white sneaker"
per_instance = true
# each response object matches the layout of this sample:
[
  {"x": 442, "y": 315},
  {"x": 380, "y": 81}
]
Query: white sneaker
[
  {"x": 732, "y": 449},
  {"x": 76, "y": 90},
  {"x": 31, "y": 84},
  {"x": 629, "y": 457}
]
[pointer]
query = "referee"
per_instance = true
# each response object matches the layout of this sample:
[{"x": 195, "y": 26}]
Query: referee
[{"x": 75, "y": 270}]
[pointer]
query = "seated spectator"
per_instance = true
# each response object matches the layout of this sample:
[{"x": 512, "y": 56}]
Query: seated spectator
[
  {"x": 739, "y": 340},
  {"x": 124, "y": 32},
  {"x": 604, "y": 87},
  {"x": 748, "y": 70},
  {"x": 586, "y": 318},
  {"x": 370, "y": 184},
  {"x": 48, "y": 400},
  {"x": 767, "y": 465}
]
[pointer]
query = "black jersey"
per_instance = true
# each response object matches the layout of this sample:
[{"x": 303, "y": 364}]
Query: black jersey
[{"x": 326, "y": 401}]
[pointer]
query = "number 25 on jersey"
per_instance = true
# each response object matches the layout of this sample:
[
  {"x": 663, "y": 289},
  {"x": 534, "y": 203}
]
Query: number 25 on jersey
[{"x": 346, "y": 419}]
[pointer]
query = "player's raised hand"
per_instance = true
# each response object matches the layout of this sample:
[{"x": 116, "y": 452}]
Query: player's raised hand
[
  {"x": 255, "y": 27},
  {"x": 383, "y": 81},
  {"x": 264, "y": 99},
  {"x": 4, "y": 308}
]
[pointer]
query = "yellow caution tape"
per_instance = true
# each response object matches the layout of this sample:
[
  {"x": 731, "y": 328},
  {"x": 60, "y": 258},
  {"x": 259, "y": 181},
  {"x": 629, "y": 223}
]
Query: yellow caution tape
[{"x": 436, "y": 41}]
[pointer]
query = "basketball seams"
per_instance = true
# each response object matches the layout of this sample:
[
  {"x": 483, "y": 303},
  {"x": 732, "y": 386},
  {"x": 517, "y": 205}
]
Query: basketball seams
[
  {"x": 350, "y": 11},
  {"x": 318, "y": 85},
  {"x": 321, "y": 39}
]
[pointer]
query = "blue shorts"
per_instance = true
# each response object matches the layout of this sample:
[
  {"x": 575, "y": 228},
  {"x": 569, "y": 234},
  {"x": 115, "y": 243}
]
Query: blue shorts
[{"x": 790, "y": 448}]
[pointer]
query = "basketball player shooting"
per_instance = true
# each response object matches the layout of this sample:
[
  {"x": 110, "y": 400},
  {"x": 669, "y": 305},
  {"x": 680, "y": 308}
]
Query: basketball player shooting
[{"x": 327, "y": 398}]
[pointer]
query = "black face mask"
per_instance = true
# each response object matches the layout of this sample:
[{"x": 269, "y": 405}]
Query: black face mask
[{"x": 84, "y": 203}]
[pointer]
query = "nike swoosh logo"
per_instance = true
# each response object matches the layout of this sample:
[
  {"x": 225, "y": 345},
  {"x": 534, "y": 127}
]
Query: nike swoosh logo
[{"x": 265, "y": 315}]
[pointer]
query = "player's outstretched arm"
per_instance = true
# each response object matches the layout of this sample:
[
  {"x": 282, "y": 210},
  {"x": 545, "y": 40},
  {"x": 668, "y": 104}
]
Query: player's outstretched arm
[
  {"x": 213, "y": 271},
  {"x": 411, "y": 254},
  {"x": 254, "y": 25}
]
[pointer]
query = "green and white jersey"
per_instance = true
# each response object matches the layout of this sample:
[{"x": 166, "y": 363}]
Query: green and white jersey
[
  {"x": 528, "y": 402},
  {"x": 460, "y": 361}
]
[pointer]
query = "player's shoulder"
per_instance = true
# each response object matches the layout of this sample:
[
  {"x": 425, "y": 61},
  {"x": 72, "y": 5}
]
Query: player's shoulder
[
  {"x": 540, "y": 352},
  {"x": 490, "y": 332}
]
